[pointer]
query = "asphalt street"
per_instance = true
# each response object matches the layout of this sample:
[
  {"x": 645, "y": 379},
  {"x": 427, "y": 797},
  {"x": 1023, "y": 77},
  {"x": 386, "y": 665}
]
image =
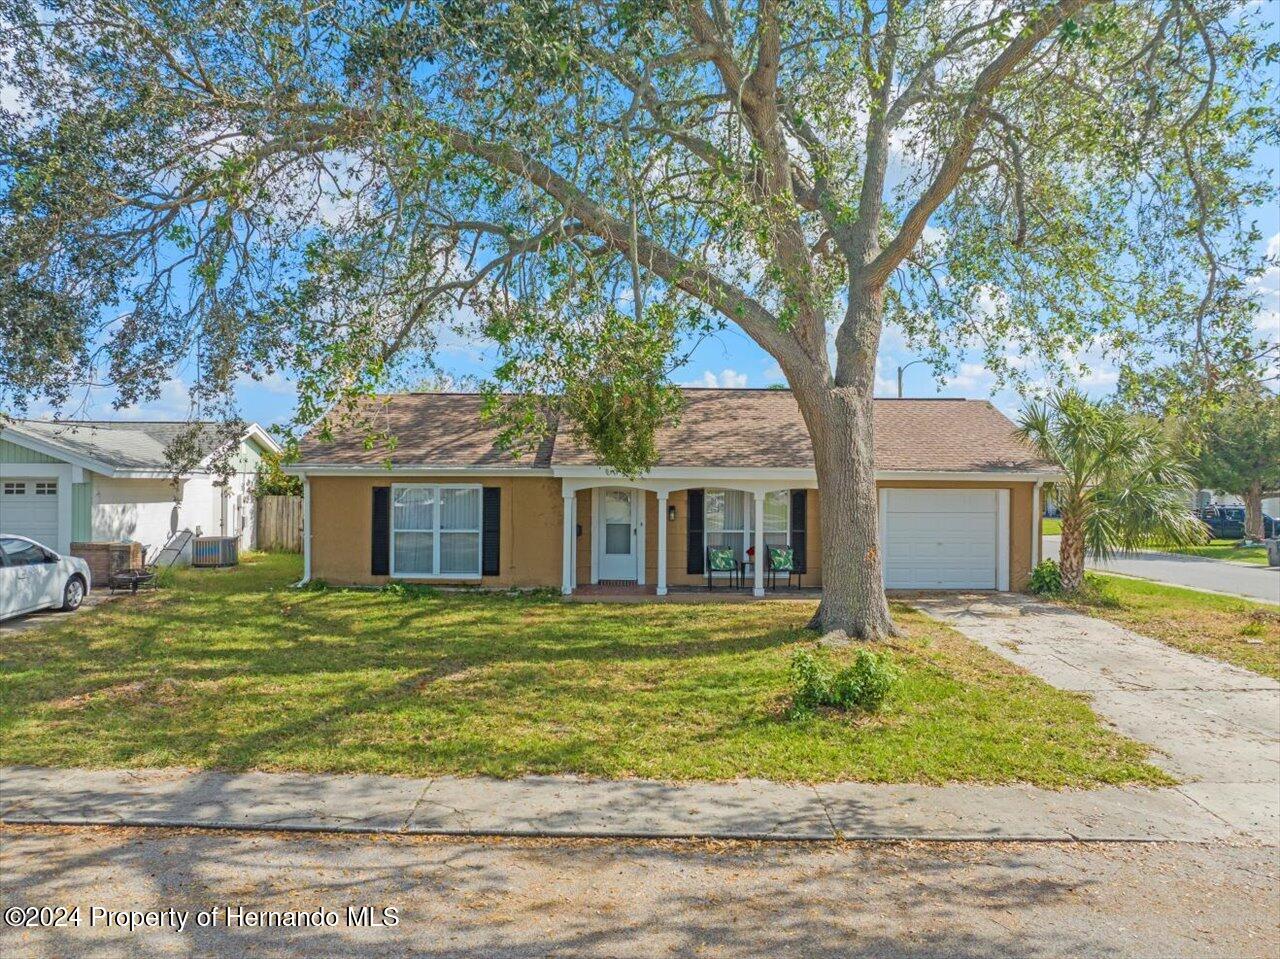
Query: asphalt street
[{"x": 517, "y": 898}]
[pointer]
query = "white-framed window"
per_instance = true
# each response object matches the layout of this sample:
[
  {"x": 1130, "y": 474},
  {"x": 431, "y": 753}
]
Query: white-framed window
[
  {"x": 729, "y": 519},
  {"x": 47, "y": 489},
  {"x": 15, "y": 489},
  {"x": 435, "y": 530}
]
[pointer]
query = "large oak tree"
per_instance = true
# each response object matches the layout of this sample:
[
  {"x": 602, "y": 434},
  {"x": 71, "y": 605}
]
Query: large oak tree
[{"x": 324, "y": 187}]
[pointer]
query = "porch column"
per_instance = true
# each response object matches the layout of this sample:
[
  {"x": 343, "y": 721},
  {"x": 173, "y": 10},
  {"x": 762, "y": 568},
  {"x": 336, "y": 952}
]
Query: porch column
[
  {"x": 758, "y": 565},
  {"x": 570, "y": 542},
  {"x": 662, "y": 542}
]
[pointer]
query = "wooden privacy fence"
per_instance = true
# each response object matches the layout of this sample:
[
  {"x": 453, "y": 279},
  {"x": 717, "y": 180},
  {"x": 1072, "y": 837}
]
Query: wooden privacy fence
[{"x": 279, "y": 523}]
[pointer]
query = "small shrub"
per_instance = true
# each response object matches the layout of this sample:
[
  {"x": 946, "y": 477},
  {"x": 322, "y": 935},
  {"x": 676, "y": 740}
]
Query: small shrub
[
  {"x": 316, "y": 586},
  {"x": 408, "y": 590},
  {"x": 1046, "y": 578},
  {"x": 862, "y": 686},
  {"x": 165, "y": 578}
]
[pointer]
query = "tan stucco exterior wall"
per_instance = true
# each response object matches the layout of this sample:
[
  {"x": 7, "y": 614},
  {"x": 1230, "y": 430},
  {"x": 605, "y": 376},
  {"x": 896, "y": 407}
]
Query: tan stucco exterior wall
[{"x": 341, "y": 530}]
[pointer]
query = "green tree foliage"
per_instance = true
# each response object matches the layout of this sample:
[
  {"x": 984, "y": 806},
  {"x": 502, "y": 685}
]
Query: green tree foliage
[
  {"x": 273, "y": 481},
  {"x": 1240, "y": 451},
  {"x": 1124, "y": 485},
  {"x": 330, "y": 190}
]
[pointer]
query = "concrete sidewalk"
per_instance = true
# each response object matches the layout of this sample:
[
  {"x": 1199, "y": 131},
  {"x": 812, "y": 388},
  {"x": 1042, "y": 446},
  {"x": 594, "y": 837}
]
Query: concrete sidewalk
[{"x": 568, "y": 806}]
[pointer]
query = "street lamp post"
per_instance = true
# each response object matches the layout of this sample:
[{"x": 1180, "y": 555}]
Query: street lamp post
[{"x": 900, "y": 372}]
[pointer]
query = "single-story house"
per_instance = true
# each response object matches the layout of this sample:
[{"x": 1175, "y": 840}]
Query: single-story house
[
  {"x": 959, "y": 498},
  {"x": 82, "y": 481}
]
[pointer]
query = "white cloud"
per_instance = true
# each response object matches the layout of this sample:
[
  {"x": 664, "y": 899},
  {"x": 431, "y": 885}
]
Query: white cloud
[
  {"x": 726, "y": 379},
  {"x": 276, "y": 384},
  {"x": 172, "y": 403},
  {"x": 971, "y": 376}
]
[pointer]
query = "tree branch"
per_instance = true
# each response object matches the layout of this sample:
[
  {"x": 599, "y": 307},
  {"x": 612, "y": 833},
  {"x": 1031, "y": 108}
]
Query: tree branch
[{"x": 878, "y": 271}]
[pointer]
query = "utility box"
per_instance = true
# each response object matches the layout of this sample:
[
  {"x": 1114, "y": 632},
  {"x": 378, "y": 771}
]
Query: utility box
[
  {"x": 1273, "y": 551},
  {"x": 215, "y": 551}
]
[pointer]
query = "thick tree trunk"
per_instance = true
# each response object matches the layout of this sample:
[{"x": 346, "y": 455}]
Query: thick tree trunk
[
  {"x": 853, "y": 597},
  {"x": 1253, "y": 526},
  {"x": 1071, "y": 553},
  {"x": 838, "y": 414}
]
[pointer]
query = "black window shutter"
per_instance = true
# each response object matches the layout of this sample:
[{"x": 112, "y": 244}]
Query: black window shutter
[
  {"x": 491, "y": 547},
  {"x": 380, "y": 561},
  {"x": 694, "y": 526},
  {"x": 799, "y": 527}
]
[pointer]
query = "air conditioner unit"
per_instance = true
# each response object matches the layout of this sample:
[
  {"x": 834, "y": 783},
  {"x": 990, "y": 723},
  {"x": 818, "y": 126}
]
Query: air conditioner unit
[{"x": 215, "y": 551}]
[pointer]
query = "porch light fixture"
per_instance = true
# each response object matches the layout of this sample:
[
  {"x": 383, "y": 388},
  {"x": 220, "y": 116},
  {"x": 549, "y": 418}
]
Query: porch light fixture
[{"x": 671, "y": 514}]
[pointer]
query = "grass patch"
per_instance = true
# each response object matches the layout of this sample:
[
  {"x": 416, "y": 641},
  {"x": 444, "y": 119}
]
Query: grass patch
[
  {"x": 1235, "y": 630},
  {"x": 1229, "y": 550},
  {"x": 1051, "y": 526},
  {"x": 232, "y": 669}
]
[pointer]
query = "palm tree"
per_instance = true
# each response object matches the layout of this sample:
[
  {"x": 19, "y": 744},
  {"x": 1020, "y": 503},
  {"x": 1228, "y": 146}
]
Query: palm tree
[{"x": 1124, "y": 486}]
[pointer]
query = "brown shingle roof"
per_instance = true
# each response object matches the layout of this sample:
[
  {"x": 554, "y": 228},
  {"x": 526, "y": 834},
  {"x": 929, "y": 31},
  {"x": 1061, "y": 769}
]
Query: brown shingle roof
[
  {"x": 718, "y": 428},
  {"x": 430, "y": 429}
]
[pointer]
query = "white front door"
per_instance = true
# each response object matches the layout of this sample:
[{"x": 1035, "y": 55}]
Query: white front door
[{"x": 618, "y": 535}]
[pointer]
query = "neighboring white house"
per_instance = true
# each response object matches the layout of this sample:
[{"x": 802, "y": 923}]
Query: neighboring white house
[{"x": 65, "y": 481}]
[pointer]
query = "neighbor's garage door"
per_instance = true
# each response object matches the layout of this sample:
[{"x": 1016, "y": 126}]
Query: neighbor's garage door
[
  {"x": 29, "y": 507},
  {"x": 941, "y": 539}
]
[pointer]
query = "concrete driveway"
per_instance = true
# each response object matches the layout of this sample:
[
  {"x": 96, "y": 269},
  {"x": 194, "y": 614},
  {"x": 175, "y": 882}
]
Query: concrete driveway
[
  {"x": 51, "y": 617},
  {"x": 1198, "y": 572},
  {"x": 1215, "y": 726}
]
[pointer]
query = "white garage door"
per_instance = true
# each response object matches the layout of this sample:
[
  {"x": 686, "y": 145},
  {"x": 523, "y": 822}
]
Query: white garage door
[
  {"x": 29, "y": 507},
  {"x": 942, "y": 539}
]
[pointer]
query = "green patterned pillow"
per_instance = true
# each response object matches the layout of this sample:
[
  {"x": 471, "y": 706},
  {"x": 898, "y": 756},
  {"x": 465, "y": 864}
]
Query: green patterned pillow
[
  {"x": 720, "y": 559},
  {"x": 782, "y": 558}
]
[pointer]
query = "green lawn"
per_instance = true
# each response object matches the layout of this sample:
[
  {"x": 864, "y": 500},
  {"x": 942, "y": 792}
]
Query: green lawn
[
  {"x": 1051, "y": 526},
  {"x": 1235, "y": 630},
  {"x": 1227, "y": 549},
  {"x": 232, "y": 669}
]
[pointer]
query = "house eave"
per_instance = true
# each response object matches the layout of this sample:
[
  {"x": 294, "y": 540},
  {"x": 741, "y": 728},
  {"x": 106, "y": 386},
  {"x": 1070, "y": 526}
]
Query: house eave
[
  {"x": 803, "y": 475},
  {"x": 412, "y": 469},
  {"x": 37, "y": 444}
]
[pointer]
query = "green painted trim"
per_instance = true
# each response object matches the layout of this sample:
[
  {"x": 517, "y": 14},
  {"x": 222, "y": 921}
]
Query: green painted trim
[
  {"x": 13, "y": 453},
  {"x": 82, "y": 512},
  {"x": 248, "y": 456}
]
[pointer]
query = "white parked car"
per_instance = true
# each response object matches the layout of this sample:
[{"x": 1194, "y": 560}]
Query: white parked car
[{"x": 34, "y": 577}]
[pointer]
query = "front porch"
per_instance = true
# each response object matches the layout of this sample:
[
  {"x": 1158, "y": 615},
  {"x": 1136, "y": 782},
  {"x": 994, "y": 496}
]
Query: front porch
[{"x": 647, "y": 539}]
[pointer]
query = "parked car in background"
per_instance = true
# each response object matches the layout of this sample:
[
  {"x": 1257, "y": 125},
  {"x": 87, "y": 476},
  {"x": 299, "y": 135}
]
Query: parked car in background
[
  {"x": 34, "y": 577},
  {"x": 1227, "y": 522}
]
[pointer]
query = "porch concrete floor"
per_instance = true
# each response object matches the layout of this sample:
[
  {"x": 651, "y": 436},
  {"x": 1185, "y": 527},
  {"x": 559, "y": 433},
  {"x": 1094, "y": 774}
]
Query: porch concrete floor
[{"x": 689, "y": 595}]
